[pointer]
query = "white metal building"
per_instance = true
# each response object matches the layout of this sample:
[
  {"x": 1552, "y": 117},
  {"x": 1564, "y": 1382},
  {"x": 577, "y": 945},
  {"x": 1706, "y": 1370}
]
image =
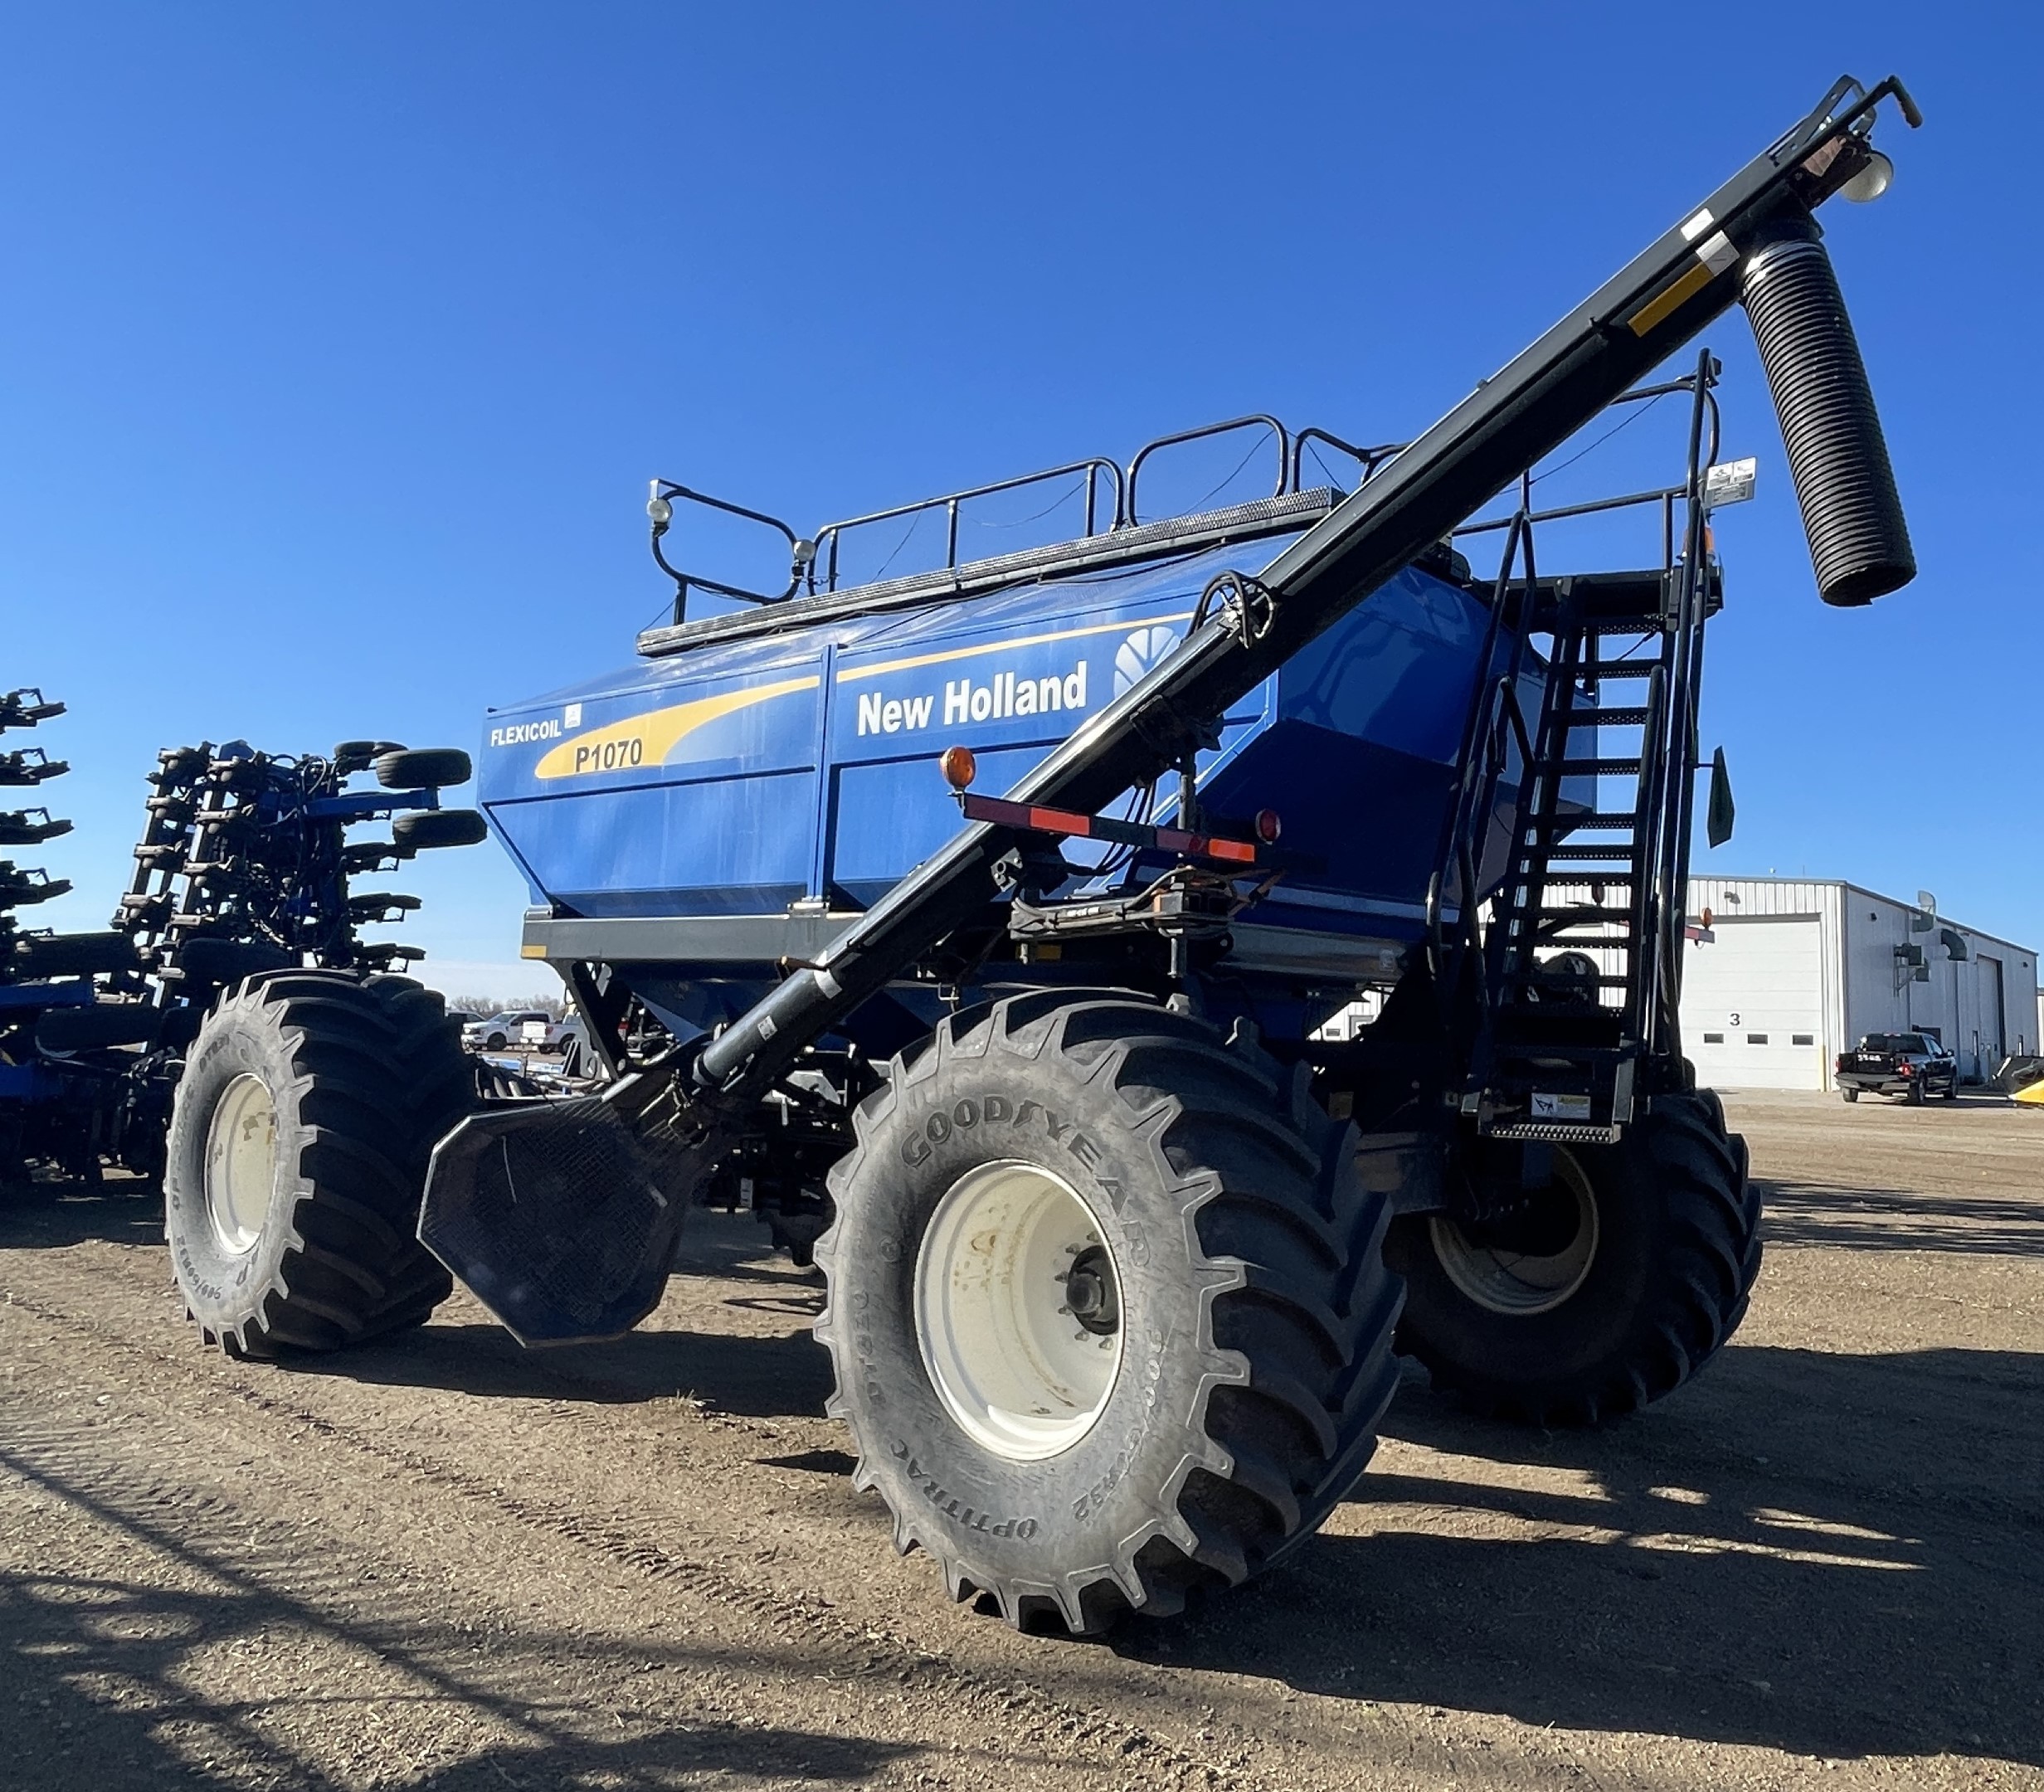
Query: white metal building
[{"x": 1790, "y": 973}]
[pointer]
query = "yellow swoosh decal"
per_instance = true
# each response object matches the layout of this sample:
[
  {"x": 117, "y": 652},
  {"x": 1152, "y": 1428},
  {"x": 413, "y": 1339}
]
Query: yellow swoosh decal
[
  {"x": 647, "y": 740},
  {"x": 1002, "y": 646}
]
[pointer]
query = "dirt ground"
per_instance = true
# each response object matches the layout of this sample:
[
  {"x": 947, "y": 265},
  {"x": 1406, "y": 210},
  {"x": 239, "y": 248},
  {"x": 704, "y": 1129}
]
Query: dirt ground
[{"x": 443, "y": 1562}]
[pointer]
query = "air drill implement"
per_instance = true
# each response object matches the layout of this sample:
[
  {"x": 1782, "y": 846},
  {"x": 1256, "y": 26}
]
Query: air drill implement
[{"x": 1116, "y": 1222}]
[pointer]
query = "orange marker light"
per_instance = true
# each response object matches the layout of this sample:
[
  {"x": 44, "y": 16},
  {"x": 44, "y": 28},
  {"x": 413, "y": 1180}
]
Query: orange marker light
[{"x": 958, "y": 766}]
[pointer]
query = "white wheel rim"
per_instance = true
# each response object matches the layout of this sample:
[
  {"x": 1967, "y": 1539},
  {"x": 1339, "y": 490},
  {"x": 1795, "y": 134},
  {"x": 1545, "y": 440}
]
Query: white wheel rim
[
  {"x": 240, "y": 1163},
  {"x": 1519, "y": 1283},
  {"x": 1008, "y": 1253}
]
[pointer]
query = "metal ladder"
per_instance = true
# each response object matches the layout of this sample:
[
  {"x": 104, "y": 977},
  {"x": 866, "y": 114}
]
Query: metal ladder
[{"x": 1563, "y": 1055}]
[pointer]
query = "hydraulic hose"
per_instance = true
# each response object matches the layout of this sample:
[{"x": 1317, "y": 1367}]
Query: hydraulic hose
[{"x": 1859, "y": 542}]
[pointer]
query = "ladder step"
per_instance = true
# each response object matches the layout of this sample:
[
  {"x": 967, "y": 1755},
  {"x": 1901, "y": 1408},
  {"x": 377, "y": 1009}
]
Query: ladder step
[
  {"x": 1629, "y": 717},
  {"x": 1584, "y": 854},
  {"x": 1520, "y": 905},
  {"x": 1611, "y": 669},
  {"x": 1593, "y": 767},
  {"x": 1601, "y": 818},
  {"x": 1522, "y": 918}
]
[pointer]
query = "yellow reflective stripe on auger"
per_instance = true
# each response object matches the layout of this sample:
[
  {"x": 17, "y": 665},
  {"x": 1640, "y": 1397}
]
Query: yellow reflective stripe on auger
[
  {"x": 1714, "y": 253},
  {"x": 647, "y": 740}
]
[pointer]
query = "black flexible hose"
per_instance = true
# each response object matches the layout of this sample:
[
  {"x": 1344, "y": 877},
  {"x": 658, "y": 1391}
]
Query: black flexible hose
[{"x": 1859, "y": 542}]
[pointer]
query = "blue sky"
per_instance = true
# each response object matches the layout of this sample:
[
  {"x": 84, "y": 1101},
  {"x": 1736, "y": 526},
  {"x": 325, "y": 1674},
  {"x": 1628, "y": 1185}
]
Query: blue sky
[{"x": 341, "y": 342}]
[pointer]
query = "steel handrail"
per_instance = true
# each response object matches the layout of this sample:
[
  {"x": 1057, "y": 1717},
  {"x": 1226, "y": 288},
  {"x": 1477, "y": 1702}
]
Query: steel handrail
[
  {"x": 660, "y": 508},
  {"x": 1371, "y": 458},
  {"x": 1092, "y": 467},
  {"x": 1680, "y": 767},
  {"x": 1474, "y": 792},
  {"x": 1255, "y": 421}
]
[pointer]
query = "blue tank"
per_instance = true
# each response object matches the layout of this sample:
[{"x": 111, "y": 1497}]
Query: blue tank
[{"x": 769, "y": 765}]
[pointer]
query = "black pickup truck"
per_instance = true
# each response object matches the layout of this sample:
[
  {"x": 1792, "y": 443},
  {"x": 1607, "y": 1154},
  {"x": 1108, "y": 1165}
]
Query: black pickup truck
[{"x": 1913, "y": 1064}]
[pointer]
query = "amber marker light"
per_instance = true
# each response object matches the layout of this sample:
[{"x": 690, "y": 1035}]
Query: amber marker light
[{"x": 958, "y": 766}]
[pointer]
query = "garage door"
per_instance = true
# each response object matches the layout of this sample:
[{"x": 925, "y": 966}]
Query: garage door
[{"x": 1753, "y": 1004}]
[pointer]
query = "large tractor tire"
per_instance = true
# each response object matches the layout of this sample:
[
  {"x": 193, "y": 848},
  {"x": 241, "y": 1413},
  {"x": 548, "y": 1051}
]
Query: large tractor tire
[
  {"x": 1107, "y": 1305},
  {"x": 310, "y": 1104},
  {"x": 1621, "y": 1283}
]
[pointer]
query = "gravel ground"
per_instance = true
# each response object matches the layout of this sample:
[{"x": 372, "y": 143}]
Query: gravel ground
[{"x": 443, "y": 1562}]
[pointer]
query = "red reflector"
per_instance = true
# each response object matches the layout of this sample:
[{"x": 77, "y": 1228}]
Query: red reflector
[
  {"x": 1268, "y": 826},
  {"x": 1060, "y": 821}
]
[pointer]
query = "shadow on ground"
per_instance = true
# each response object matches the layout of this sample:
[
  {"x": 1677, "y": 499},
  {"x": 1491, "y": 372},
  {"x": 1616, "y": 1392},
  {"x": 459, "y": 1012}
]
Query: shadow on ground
[
  {"x": 112, "y": 1685},
  {"x": 723, "y": 1268},
  {"x": 771, "y": 1377},
  {"x": 122, "y": 1210},
  {"x": 1831, "y": 1555},
  {"x": 1889, "y": 1219}
]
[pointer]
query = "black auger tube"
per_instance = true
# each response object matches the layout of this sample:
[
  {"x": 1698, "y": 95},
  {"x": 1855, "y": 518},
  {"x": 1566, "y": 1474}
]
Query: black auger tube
[{"x": 1859, "y": 542}]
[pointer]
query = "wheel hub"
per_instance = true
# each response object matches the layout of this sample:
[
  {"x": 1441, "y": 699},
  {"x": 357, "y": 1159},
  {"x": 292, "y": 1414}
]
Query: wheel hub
[
  {"x": 240, "y": 1163},
  {"x": 1532, "y": 1261},
  {"x": 1018, "y": 1310},
  {"x": 1090, "y": 1295}
]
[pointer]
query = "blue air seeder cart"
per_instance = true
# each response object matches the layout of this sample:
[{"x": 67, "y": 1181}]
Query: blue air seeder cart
[{"x": 1119, "y": 1234}]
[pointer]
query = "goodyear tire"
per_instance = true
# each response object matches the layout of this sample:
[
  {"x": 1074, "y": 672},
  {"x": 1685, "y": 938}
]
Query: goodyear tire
[
  {"x": 1108, "y": 1306},
  {"x": 310, "y": 1104},
  {"x": 1583, "y": 1323}
]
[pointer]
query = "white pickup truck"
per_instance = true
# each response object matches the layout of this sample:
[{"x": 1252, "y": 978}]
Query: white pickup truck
[{"x": 526, "y": 1028}]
